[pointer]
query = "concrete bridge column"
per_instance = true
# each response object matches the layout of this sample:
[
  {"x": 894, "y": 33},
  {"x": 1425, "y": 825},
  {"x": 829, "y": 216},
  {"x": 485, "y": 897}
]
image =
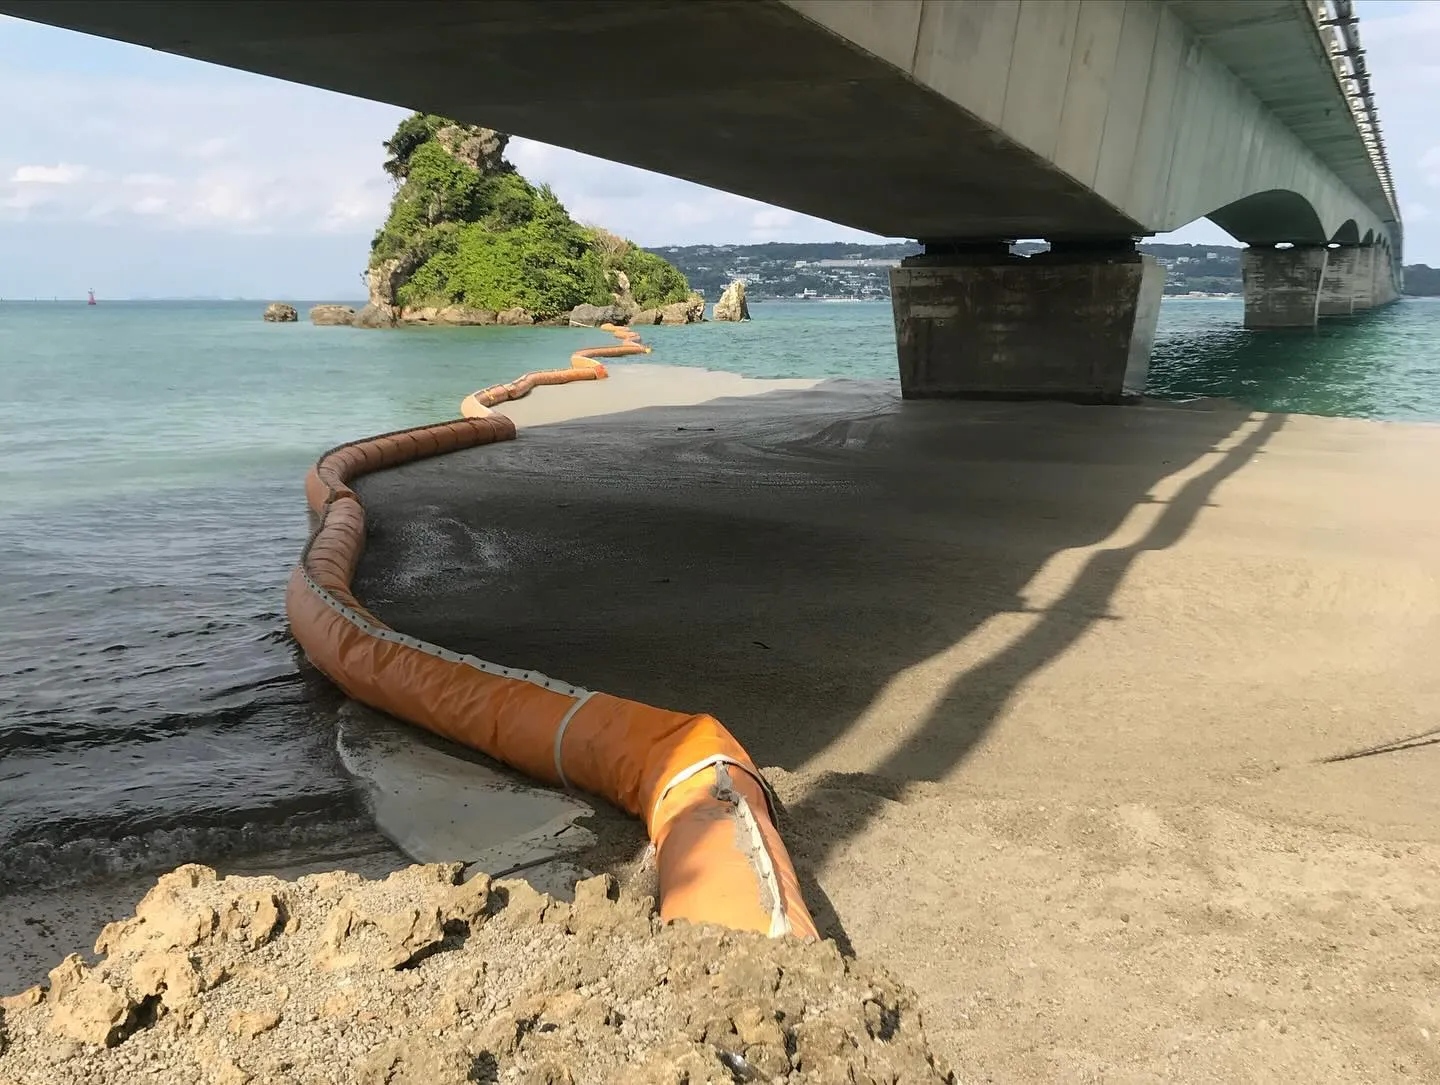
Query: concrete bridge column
[
  {"x": 1337, "y": 288},
  {"x": 1382, "y": 281},
  {"x": 1364, "y": 278},
  {"x": 1076, "y": 323},
  {"x": 1282, "y": 286}
]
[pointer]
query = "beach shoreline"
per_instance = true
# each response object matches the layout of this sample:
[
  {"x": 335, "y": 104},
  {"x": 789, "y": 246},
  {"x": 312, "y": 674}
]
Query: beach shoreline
[{"x": 1062, "y": 681}]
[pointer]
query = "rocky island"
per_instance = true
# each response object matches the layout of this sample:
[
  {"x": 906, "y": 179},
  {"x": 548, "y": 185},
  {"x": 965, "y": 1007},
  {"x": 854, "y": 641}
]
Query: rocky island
[{"x": 470, "y": 241}]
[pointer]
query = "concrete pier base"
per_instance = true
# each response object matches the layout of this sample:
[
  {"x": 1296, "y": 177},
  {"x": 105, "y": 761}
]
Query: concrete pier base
[
  {"x": 1071, "y": 326},
  {"x": 1383, "y": 287},
  {"x": 1337, "y": 287},
  {"x": 1282, "y": 286},
  {"x": 1363, "y": 279}
]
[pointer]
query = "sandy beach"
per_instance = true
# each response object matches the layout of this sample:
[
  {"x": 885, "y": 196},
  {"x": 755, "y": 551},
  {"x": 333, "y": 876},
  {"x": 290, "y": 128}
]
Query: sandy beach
[
  {"x": 1053, "y": 694},
  {"x": 1109, "y": 730}
]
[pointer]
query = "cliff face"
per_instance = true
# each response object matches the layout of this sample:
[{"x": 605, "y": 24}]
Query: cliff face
[{"x": 467, "y": 235}]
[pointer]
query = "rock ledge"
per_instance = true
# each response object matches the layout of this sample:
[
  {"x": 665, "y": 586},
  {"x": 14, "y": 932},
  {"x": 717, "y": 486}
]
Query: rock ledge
[{"x": 422, "y": 978}]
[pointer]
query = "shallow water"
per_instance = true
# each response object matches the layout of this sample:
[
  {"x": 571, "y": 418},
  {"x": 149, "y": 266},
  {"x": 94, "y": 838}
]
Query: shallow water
[{"x": 151, "y": 706}]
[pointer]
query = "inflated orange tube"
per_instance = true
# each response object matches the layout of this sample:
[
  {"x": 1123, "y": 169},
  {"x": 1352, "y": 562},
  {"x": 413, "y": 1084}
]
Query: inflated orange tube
[
  {"x": 703, "y": 801},
  {"x": 584, "y": 365}
]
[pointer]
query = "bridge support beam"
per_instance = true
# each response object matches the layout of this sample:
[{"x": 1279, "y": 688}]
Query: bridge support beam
[
  {"x": 1073, "y": 324},
  {"x": 1282, "y": 286},
  {"x": 1337, "y": 288},
  {"x": 1382, "y": 280},
  {"x": 1364, "y": 278}
]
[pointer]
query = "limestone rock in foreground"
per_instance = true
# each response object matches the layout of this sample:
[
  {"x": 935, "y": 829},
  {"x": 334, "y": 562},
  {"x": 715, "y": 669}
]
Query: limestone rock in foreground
[
  {"x": 421, "y": 978},
  {"x": 277, "y": 312},
  {"x": 731, "y": 305}
]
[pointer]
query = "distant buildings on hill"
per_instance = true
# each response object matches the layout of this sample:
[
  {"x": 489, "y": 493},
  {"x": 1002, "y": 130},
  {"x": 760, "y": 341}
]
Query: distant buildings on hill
[{"x": 783, "y": 270}]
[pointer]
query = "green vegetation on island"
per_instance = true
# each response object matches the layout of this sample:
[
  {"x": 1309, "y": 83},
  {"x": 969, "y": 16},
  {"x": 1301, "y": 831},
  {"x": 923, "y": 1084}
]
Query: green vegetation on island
[{"x": 467, "y": 233}]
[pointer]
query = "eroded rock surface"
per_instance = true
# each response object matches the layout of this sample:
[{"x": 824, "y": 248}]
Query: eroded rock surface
[
  {"x": 515, "y": 317},
  {"x": 422, "y": 978},
  {"x": 332, "y": 314},
  {"x": 278, "y": 312},
  {"x": 732, "y": 306},
  {"x": 689, "y": 311},
  {"x": 592, "y": 316}
]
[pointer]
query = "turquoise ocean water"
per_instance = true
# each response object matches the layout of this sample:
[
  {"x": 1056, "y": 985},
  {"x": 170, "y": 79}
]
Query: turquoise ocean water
[{"x": 151, "y": 455}]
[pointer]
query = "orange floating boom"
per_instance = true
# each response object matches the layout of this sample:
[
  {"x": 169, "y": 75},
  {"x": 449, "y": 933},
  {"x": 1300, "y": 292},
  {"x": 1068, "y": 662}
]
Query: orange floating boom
[
  {"x": 584, "y": 365},
  {"x": 703, "y": 800}
]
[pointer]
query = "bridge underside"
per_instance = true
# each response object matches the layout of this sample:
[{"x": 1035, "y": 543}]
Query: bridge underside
[
  {"x": 957, "y": 124},
  {"x": 747, "y": 97}
]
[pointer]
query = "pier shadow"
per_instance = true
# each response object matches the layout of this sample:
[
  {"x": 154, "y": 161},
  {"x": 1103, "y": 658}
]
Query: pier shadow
[{"x": 783, "y": 570}]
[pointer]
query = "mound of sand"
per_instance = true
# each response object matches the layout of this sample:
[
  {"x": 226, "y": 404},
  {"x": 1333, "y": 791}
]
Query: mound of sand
[{"x": 423, "y": 978}]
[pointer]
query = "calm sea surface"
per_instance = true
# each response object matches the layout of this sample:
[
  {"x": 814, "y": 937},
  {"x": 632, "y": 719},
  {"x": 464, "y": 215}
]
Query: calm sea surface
[{"x": 151, "y": 455}]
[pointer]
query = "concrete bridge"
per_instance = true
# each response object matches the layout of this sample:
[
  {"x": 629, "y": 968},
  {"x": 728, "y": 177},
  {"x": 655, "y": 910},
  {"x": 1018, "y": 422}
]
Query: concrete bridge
[{"x": 964, "y": 124}]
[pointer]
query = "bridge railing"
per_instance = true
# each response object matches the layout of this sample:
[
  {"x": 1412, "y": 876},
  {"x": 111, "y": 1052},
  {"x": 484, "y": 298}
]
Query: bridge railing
[{"x": 1340, "y": 31}]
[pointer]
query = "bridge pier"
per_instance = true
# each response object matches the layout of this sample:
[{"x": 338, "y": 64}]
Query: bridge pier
[
  {"x": 1282, "y": 286},
  {"x": 1364, "y": 278},
  {"x": 1382, "y": 281},
  {"x": 1342, "y": 278},
  {"x": 1076, "y": 323}
]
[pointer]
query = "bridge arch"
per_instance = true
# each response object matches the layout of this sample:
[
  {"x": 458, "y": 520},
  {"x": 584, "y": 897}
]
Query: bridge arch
[
  {"x": 1348, "y": 234},
  {"x": 1272, "y": 217}
]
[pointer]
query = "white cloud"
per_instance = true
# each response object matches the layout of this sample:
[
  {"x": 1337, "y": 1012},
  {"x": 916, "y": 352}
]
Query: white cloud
[
  {"x": 63, "y": 174},
  {"x": 213, "y": 147},
  {"x": 1430, "y": 164},
  {"x": 1386, "y": 26},
  {"x": 155, "y": 156}
]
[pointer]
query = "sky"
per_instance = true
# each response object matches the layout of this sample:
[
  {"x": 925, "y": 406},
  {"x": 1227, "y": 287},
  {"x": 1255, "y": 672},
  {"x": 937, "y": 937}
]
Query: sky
[{"x": 142, "y": 174}]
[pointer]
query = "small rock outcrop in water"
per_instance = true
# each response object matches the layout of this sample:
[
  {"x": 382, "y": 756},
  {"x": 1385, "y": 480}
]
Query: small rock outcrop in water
[
  {"x": 731, "y": 305},
  {"x": 592, "y": 316},
  {"x": 452, "y": 315},
  {"x": 277, "y": 312},
  {"x": 332, "y": 314},
  {"x": 467, "y": 233},
  {"x": 374, "y": 316},
  {"x": 689, "y": 311},
  {"x": 422, "y": 980}
]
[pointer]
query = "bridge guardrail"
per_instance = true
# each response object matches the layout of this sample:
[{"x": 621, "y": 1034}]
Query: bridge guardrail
[{"x": 1339, "y": 29}]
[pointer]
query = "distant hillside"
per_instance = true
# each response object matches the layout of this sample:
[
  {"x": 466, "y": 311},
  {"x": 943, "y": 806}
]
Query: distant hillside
[
  {"x": 1422, "y": 281},
  {"x": 845, "y": 270}
]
